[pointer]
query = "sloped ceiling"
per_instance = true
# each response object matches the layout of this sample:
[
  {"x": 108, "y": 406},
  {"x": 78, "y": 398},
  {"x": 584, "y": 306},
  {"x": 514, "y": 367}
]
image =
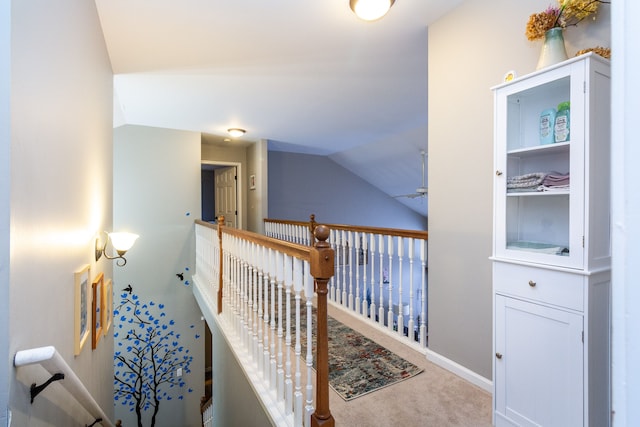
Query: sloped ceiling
[{"x": 308, "y": 76}]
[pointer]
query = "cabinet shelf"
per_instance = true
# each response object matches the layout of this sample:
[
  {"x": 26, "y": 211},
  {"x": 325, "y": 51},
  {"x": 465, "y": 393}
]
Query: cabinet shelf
[
  {"x": 538, "y": 193},
  {"x": 559, "y": 147}
]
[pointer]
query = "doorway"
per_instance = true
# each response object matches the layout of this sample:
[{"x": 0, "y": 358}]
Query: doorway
[{"x": 221, "y": 192}]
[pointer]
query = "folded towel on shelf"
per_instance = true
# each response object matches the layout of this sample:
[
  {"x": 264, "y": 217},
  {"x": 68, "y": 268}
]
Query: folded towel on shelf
[
  {"x": 526, "y": 182},
  {"x": 553, "y": 179},
  {"x": 554, "y": 188}
]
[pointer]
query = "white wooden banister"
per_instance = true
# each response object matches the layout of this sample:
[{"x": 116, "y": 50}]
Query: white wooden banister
[
  {"x": 264, "y": 286},
  {"x": 380, "y": 275},
  {"x": 52, "y": 362}
]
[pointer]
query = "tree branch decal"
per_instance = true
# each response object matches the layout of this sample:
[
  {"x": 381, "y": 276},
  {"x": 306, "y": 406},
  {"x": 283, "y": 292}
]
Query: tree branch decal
[{"x": 148, "y": 357}]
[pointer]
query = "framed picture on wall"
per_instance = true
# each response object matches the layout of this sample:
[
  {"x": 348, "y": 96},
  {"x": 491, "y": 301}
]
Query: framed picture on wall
[
  {"x": 82, "y": 307},
  {"x": 97, "y": 307},
  {"x": 252, "y": 182},
  {"x": 107, "y": 313}
]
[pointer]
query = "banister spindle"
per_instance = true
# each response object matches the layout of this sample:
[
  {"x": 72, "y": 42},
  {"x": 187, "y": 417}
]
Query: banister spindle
[
  {"x": 372, "y": 258},
  {"x": 381, "y": 254},
  {"x": 365, "y": 256},
  {"x": 400, "y": 302},
  {"x": 345, "y": 244},
  {"x": 351, "y": 263},
  {"x": 390, "y": 280},
  {"x": 423, "y": 296},
  {"x": 221, "y": 264},
  {"x": 411, "y": 324}
]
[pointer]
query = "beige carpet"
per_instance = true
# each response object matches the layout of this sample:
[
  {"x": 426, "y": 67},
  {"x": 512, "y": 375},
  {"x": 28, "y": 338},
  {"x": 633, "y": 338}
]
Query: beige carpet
[{"x": 435, "y": 398}]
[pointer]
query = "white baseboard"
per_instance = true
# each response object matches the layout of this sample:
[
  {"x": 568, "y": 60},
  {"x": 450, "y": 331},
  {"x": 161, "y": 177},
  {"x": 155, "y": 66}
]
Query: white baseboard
[{"x": 460, "y": 371}]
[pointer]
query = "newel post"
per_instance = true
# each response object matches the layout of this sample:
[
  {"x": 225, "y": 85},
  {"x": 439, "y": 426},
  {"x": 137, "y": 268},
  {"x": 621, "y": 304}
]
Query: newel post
[
  {"x": 322, "y": 269},
  {"x": 221, "y": 265}
]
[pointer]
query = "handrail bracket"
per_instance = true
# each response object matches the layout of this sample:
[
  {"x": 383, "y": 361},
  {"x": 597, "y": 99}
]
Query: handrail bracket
[{"x": 36, "y": 389}]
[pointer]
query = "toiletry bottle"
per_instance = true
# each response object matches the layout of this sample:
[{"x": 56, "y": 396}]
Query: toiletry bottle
[
  {"x": 561, "y": 128},
  {"x": 547, "y": 120}
]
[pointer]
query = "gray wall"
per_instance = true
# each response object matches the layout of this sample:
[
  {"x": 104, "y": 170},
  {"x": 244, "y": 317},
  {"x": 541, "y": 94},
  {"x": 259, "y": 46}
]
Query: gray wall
[
  {"x": 157, "y": 195},
  {"x": 61, "y": 196},
  {"x": 257, "y": 204},
  {"x": 461, "y": 73},
  {"x": 304, "y": 184}
]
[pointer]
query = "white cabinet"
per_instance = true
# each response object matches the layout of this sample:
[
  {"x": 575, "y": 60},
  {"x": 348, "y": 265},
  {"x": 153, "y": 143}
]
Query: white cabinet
[{"x": 551, "y": 250}]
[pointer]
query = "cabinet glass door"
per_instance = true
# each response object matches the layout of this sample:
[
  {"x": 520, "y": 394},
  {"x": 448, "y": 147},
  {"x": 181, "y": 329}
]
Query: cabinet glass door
[{"x": 539, "y": 181}]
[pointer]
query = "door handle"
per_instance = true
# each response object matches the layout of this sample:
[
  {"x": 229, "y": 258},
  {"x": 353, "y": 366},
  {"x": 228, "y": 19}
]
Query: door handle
[{"x": 498, "y": 355}]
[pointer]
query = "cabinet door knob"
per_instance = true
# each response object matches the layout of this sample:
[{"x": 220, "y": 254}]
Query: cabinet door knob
[
  {"x": 498, "y": 173},
  {"x": 499, "y": 355},
  {"x": 532, "y": 283}
]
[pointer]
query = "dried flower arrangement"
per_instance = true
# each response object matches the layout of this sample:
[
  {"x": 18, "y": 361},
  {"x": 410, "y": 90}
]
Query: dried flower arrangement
[
  {"x": 567, "y": 13},
  {"x": 605, "y": 52}
]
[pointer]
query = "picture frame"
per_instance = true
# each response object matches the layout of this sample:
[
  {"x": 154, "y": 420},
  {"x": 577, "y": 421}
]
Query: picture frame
[
  {"x": 82, "y": 305},
  {"x": 252, "y": 182},
  {"x": 107, "y": 313},
  {"x": 97, "y": 307}
]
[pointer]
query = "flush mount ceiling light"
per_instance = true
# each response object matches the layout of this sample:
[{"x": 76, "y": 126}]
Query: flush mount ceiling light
[
  {"x": 236, "y": 132},
  {"x": 370, "y": 10}
]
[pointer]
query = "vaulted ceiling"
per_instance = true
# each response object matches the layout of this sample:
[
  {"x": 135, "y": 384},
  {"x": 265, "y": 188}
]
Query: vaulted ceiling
[{"x": 308, "y": 76}]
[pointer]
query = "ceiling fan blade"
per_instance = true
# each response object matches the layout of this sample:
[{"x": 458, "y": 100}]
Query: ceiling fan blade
[{"x": 410, "y": 196}]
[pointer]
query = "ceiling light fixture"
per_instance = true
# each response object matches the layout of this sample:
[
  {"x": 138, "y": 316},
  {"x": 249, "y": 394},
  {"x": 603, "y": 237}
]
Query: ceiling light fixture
[
  {"x": 370, "y": 10},
  {"x": 236, "y": 132}
]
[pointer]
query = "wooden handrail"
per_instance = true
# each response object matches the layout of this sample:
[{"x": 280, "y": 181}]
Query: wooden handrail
[
  {"x": 293, "y": 249},
  {"x": 416, "y": 234}
]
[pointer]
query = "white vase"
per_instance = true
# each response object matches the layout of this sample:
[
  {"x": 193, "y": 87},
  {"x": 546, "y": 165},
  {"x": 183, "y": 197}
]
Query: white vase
[{"x": 553, "y": 50}]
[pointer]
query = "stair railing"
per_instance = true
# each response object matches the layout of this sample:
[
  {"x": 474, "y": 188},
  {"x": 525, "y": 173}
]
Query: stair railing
[
  {"x": 49, "y": 358},
  {"x": 381, "y": 274},
  {"x": 258, "y": 286}
]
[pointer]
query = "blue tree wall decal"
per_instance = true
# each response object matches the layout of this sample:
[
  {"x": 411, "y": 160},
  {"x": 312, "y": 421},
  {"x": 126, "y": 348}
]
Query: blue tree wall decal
[{"x": 147, "y": 357}]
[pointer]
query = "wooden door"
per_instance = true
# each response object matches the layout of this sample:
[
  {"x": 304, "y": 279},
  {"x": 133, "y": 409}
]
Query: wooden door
[{"x": 226, "y": 195}]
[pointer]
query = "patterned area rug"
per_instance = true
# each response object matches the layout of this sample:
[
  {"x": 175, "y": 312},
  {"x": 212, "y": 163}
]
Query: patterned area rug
[{"x": 358, "y": 365}]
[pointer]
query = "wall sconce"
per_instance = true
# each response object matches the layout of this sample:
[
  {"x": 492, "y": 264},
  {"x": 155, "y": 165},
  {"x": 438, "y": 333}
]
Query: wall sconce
[
  {"x": 370, "y": 10},
  {"x": 121, "y": 242}
]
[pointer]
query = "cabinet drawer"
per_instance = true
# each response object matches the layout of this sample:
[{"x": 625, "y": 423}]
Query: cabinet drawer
[{"x": 537, "y": 284}]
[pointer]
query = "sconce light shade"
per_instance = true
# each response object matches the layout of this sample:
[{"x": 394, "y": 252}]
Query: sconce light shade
[
  {"x": 370, "y": 10},
  {"x": 121, "y": 242},
  {"x": 236, "y": 132}
]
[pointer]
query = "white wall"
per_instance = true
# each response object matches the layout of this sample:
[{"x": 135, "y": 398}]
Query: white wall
[
  {"x": 470, "y": 49},
  {"x": 626, "y": 213},
  {"x": 157, "y": 195},
  {"x": 5, "y": 178},
  {"x": 61, "y": 194}
]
